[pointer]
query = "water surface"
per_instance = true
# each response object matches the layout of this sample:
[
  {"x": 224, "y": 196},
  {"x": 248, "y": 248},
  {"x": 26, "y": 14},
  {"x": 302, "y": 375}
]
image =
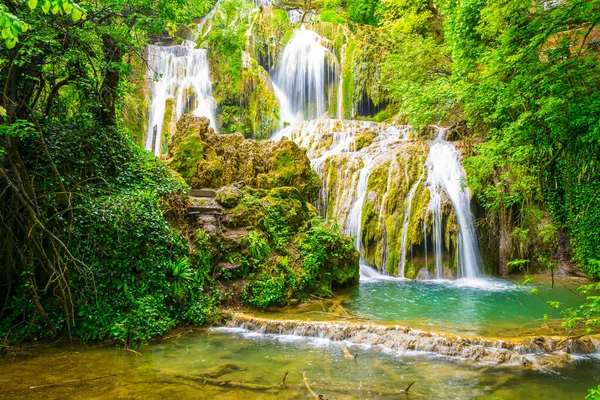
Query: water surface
[
  {"x": 495, "y": 307},
  {"x": 233, "y": 364}
]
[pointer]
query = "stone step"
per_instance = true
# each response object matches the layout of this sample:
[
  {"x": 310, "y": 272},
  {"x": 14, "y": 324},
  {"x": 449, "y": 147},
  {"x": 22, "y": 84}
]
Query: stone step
[
  {"x": 204, "y": 209},
  {"x": 202, "y": 193}
]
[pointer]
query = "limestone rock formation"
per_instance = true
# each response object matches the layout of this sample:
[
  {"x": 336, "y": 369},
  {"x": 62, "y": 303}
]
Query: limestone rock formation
[{"x": 206, "y": 159}]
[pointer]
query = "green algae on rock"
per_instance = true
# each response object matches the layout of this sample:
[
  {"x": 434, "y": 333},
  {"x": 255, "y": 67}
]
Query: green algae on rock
[
  {"x": 206, "y": 159},
  {"x": 229, "y": 196}
]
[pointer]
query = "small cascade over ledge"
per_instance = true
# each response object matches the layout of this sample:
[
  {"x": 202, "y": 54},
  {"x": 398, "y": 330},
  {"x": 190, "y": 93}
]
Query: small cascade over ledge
[
  {"x": 404, "y": 201},
  {"x": 180, "y": 84},
  {"x": 445, "y": 173},
  {"x": 526, "y": 352},
  {"x": 304, "y": 76}
]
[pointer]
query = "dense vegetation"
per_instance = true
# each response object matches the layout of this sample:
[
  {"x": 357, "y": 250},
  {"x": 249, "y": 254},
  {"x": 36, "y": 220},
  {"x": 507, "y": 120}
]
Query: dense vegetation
[
  {"x": 91, "y": 226},
  {"x": 94, "y": 243},
  {"x": 86, "y": 247}
]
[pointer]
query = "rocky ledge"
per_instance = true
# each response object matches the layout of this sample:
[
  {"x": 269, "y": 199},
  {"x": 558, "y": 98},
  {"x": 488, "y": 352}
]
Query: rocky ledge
[{"x": 534, "y": 352}]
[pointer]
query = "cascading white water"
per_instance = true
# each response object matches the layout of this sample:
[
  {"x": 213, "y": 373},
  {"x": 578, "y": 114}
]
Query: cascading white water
[
  {"x": 345, "y": 171},
  {"x": 302, "y": 77},
  {"x": 435, "y": 206},
  {"x": 355, "y": 216},
  {"x": 409, "y": 199},
  {"x": 180, "y": 77},
  {"x": 445, "y": 173},
  {"x": 351, "y": 189},
  {"x": 340, "y": 93}
]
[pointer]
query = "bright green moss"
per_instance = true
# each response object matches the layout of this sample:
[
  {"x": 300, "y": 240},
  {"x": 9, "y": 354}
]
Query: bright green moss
[{"x": 331, "y": 16}]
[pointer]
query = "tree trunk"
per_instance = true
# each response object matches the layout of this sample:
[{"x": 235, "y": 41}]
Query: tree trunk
[{"x": 113, "y": 53}]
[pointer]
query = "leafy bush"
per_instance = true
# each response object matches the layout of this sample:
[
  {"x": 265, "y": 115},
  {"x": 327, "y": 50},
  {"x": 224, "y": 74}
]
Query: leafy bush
[
  {"x": 332, "y": 16},
  {"x": 364, "y": 11},
  {"x": 264, "y": 291},
  {"x": 593, "y": 393}
]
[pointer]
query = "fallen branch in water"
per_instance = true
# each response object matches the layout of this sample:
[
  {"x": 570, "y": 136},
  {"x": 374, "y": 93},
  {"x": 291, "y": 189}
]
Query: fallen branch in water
[
  {"x": 284, "y": 376},
  {"x": 178, "y": 335},
  {"x": 335, "y": 390},
  {"x": 308, "y": 386},
  {"x": 137, "y": 353},
  {"x": 69, "y": 383},
  {"x": 202, "y": 381},
  {"x": 408, "y": 387},
  {"x": 347, "y": 354}
]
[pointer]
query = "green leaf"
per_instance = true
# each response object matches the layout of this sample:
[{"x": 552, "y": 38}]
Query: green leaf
[
  {"x": 32, "y": 4},
  {"x": 76, "y": 14},
  {"x": 46, "y": 6},
  {"x": 11, "y": 42},
  {"x": 67, "y": 7}
]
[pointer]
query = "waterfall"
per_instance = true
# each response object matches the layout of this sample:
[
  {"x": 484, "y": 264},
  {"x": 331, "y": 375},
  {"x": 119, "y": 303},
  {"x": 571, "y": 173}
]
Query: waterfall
[
  {"x": 340, "y": 93},
  {"x": 302, "y": 77},
  {"x": 446, "y": 175},
  {"x": 435, "y": 206},
  {"x": 355, "y": 216},
  {"x": 409, "y": 200},
  {"x": 331, "y": 141},
  {"x": 181, "y": 84},
  {"x": 346, "y": 170}
]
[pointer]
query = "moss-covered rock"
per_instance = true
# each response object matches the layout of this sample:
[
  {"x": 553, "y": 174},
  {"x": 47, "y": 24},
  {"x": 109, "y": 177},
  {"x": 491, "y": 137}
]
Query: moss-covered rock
[
  {"x": 271, "y": 249},
  {"x": 260, "y": 105},
  {"x": 229, "y": 196},
  {"x": 208, "y": 159}
]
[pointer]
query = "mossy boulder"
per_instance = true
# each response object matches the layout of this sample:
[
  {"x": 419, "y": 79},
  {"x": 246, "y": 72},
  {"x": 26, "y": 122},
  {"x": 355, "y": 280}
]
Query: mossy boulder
[
  {"x": 208, "y": 159},
  {"x": 229, "y": 196}
]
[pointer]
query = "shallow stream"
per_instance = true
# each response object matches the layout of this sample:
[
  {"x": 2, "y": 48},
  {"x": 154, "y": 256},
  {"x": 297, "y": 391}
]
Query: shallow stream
[{"x": 233, "y": 363}]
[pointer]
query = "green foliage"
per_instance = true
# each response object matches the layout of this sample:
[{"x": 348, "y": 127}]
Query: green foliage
[
  {"x": 179, "y": 275},
  {"x": 290, "y": 252},
  {"x": 331, "y": 16},
  {"x": 264, "y": 291},
  {"x": 135, "y": 280},
  {"x": 259, "y": 247},
  {"x": 416, "y": 69},
  {"x": 364, "y": 11},
  {"x": 593, "y": 393},
  {"x": 227, "y": 40},
  {"x": 517, "y": 264},
  {"x": 585, "y": 319},
  {"x": 320, "y": 258},
  {"x": 326, "y": 254},
  {"x": 11, "y": 26}
]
